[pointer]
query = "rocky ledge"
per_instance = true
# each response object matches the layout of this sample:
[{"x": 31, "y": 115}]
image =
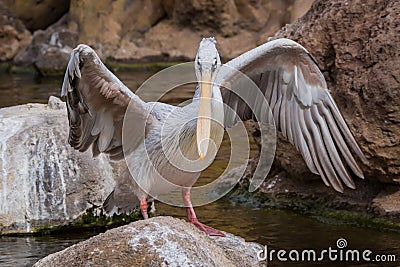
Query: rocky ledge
[{"x": 159, "y": 241}]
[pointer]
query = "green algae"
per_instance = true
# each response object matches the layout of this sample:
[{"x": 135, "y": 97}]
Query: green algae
[
  {"x": 93, "y": 219},
  {"x": 319, "y": 208}
]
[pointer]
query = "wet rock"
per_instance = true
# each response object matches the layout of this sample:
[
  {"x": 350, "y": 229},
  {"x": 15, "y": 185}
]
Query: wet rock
[
  {"x": 159, "y": 241},
  {"x": 38, "y": 14},
  {"x": 43, "y": 181},
  {"x": 13, "y": 34}
]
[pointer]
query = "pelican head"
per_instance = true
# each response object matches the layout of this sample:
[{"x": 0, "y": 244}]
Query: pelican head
[{"x": 207, "y": 63}]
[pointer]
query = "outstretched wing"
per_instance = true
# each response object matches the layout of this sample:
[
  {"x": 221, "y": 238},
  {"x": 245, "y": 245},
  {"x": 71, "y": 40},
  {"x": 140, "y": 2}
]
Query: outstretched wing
[
  {"x": 302, "y": 107},
  {"x": 96, "y": 103}
]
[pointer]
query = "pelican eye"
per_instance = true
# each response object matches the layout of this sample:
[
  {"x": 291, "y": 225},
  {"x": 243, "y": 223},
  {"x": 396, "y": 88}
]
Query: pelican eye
[{"x": 214, "y": 65}]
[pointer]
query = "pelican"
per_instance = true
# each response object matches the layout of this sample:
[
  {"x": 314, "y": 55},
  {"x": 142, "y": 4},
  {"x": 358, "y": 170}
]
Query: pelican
[{"x": 289, "y": 79}]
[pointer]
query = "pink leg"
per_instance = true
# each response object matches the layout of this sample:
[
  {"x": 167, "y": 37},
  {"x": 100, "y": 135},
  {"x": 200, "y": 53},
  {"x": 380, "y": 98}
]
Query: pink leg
[
  {"x": 143, "y": 208},
  {"x": 192, "y": 216}
]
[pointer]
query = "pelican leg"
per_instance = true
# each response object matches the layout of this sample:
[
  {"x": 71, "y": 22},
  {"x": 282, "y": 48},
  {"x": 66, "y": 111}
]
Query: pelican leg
[
  {"x": 143, "y": 208},
  {"x": 192, "y": 216}
]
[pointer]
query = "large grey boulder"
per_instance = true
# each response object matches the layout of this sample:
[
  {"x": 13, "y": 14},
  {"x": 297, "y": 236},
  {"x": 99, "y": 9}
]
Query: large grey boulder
[
  {"x": 159, "y": 241},
  {"x": 43, "y": 181}
]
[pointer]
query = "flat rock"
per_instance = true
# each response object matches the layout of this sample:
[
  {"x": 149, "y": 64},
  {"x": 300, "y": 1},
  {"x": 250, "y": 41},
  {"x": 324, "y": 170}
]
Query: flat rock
[{"x": 159, "y": 241}]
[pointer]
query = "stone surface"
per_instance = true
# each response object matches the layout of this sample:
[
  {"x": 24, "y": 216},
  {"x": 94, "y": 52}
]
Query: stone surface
[
  {"x": 155, "y": 30},
  {"x": 159, "y": 241},
  {"x": 356, "y": 44},
  {"x": 172, "y": 29},
  {"x": 43, "y": 181},
  {"x": 387, "y": 202},
  {"x": 52, "y": 59},
  {"x": 13, "y": 34},
  {"x": 38, "y": 14},
  {"x": 50, "y": 49}
]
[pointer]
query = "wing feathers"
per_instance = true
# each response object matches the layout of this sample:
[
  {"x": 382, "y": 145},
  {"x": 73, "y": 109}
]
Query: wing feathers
[
  {"x": 331, "y": 149},
  {"x": 310, "y": 144},
  {"x": 345, "y": 130},
  {"x": 302, "y": 144},
  {"x": 302, "y": 107},
  {"x": 96, "y": 103}
]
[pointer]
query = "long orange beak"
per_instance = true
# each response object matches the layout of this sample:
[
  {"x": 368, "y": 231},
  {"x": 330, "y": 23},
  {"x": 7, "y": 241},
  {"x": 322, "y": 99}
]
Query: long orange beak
[{"x": 204, "y": 115}]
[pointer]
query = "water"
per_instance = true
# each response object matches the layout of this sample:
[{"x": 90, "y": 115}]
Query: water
[{"x": 274, "y": 228}]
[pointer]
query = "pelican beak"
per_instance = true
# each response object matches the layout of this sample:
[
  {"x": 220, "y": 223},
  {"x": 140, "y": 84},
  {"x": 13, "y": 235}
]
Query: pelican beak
[{"x": 204, "y": 116}]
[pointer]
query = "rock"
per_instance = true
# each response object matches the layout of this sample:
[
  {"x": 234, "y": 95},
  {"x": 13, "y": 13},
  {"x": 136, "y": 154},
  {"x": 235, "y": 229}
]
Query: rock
[
  {"x": 52, "y": 59},
  {"x": 118, "y": 22},
  {"x": 43, "y": 181},
  {"x": 386, "y": 203},
  {"x": 50, "y": 49},
  {"x": 159, "y": 241},
  {"x": 357, "y": 46},
  {"x": 13, "y": 34},
  {"x": 38, "y": 14},
  {"x": 55, "y": 103},
  {"x": 154, "y": 30}
]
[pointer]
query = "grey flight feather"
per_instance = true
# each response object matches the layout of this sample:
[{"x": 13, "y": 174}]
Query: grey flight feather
[
  {"x": 302, "y": 108},
  {"x": 121, "y": 199},
  {"x": 96, "y": 103}
]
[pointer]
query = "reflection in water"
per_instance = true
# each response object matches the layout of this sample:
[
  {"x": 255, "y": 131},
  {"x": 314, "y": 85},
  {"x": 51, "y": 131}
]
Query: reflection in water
[
  {"x": 31, "y": 88},
  {"x": 25, "y": 251},
  {"x": 277, "y": 229},
  {"x": 288, "y": 230}
]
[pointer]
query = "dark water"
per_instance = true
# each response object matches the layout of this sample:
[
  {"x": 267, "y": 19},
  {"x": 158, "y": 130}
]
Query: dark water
[{"x": 274, "y": 228}]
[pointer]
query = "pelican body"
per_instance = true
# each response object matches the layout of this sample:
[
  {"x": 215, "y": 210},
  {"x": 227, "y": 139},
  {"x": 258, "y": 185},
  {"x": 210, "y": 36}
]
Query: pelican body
[{"x": 167, "y": 146}]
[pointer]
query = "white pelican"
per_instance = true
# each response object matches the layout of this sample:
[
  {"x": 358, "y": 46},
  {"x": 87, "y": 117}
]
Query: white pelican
[{"x": 288, "y": 77}]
